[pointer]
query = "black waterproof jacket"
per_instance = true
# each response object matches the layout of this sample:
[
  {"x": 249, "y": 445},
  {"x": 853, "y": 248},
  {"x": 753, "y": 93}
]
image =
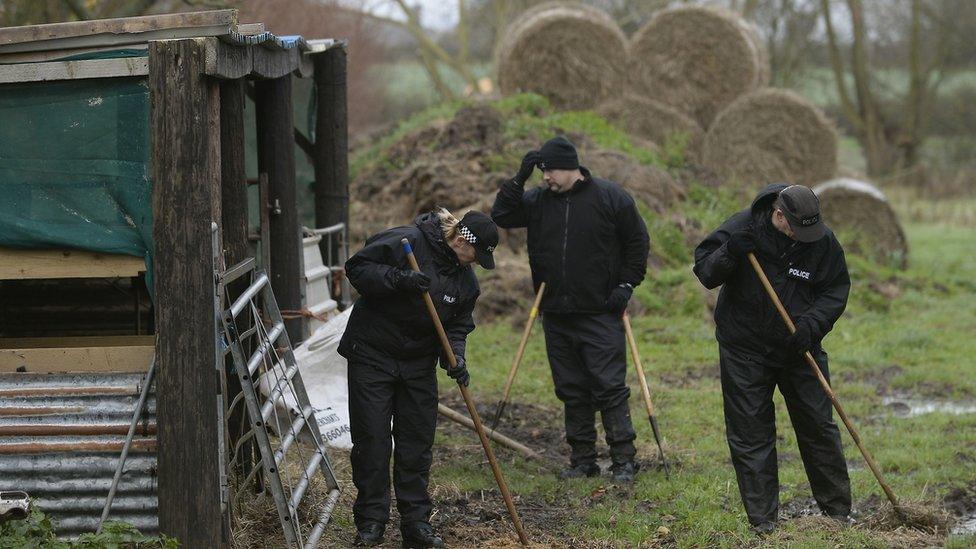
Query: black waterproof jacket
[
  {"x": 582, "y": 243},
  {"x": 811, "y": 280},
  {"x": 386, "y": 322}
]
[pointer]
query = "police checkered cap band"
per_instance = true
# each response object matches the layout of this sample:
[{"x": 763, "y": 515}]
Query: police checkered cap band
[
  {"x": 467, "y": 234},
  {"x": 471, "y": 238}
]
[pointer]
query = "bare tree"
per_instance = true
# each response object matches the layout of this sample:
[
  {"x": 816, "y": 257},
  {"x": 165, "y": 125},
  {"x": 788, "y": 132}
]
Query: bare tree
[{"x": 890, "y": 139}]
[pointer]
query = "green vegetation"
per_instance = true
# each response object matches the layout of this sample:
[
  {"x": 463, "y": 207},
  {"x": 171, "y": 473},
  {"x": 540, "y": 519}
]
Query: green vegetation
[
  {"x": 917, "y": 340},
  {"x": 527, "y": 117},
  {"x": 37, "y": 531},
  {"x": 905, "y": 333}
]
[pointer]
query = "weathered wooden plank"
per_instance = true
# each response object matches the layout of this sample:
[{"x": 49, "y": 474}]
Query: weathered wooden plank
[
  {"x": 233, "y": 178},
  {"x": 234, "y": 229},
  {"x": 276, "y": 157},
  {"x": 230, "y": 61},
  {"x": 74, "y": 70},
  {"x": 121, "y": 30},
  {"x": 331, "y": 162},
  {"x": 17, "y": 264},
  {"x": 184, "y": 121},
  {"x": 77, "y": 354}
]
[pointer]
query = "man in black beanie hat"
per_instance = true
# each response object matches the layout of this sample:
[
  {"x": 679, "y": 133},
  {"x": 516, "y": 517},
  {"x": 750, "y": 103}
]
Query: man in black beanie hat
[{"x": 589, "y": 244}]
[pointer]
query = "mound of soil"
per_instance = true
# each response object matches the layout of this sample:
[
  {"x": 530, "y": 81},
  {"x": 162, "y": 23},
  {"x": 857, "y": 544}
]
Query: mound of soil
[{"x": 459, "y": 164}]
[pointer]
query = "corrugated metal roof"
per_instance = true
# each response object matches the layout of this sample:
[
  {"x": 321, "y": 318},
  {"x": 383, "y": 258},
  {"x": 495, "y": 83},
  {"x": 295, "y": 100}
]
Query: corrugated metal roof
[{"x": 60, "y": 440}]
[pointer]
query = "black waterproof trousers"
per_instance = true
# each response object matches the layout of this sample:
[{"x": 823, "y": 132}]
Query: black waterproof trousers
[
  {"x": 587, "y": 356},
  {"x": 406, "y": 392},
  {"x": 750, "y": 426}
]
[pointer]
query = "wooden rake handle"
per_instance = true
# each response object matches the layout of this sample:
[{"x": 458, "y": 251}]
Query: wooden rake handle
[
  {"x": 469, "y": 402},
  {"x": 525, "y": 339},
  {"x": 823, "y": 382}
]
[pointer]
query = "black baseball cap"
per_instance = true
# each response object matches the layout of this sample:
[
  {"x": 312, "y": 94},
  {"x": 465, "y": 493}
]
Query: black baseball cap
[
  {"x": 802, "y": 210},
  {"x": 480, "y": 231}
]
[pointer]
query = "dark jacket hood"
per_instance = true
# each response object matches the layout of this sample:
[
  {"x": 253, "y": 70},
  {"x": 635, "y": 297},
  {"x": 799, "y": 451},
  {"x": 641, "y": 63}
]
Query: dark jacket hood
[
  {"x": 764, "y": 200},
  {"x": 430, "y": 226}
]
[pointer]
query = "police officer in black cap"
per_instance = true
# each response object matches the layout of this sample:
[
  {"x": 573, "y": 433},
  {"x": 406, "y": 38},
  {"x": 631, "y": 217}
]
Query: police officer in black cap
[
  {"x": 392, "y": 348},
  {"x": 806, "y": 266},
  {"x": 589, "y": 244}
]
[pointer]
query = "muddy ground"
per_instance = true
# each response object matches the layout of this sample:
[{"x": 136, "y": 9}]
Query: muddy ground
[{"x": 479, "y": 518}]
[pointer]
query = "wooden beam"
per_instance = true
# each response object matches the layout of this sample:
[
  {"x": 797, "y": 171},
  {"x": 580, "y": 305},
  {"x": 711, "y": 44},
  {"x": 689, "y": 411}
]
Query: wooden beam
[
  {"x": 276, "y": 157},
  {"x": 73, "y": 70},
  {"x": 125, "y": 30},
  {"x": 331, "y": 161},
  {"x": 233, "y": 177},
  {"x": 16, "y": 264},
  {"x": 184, "y": 120},
  {"x": 302, "y": 140},
  {"x": 76, "y": 354},
  {"x": 234, "y": 229}
]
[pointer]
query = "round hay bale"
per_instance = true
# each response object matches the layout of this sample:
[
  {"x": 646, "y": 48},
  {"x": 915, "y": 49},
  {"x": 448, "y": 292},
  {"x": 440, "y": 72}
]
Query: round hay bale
[
  {"x": 758, "y": 46},
  {"x": 654, "y": 121},
  {"x": 573, "y": 55},
  {"x": 696, "y": 59},
  {"x": 863, "y": 220},
  {"x": 771, "y": 135}
]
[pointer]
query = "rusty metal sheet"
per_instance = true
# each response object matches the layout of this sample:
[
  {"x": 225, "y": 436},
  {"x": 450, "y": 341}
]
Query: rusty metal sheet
[{"x": 60, "y": 439}]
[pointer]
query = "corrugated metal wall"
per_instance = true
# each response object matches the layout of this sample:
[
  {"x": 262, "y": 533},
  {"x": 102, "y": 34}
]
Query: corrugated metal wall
[{"x": 60, "y": 440}]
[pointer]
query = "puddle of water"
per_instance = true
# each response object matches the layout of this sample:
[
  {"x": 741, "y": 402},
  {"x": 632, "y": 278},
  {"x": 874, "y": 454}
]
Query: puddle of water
[
  {"x": 964, "y": 526},
  {"x": 912, "y": 407}
]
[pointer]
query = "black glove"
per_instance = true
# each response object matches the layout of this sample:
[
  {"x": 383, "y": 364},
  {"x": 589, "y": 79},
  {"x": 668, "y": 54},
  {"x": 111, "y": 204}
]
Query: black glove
[
  {"x": 529, "y": 162},
  {"x": 741, "y": 243},
  {"x": 459, "y": 373},
  {"x": 410, "y": 281},
  {"x": 801, "y": 340},
  {"x": 619, "y": 297}
]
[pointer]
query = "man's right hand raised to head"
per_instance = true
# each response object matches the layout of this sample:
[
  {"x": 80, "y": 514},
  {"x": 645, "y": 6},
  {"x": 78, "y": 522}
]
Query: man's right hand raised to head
[{"x": 529, "y": 162}]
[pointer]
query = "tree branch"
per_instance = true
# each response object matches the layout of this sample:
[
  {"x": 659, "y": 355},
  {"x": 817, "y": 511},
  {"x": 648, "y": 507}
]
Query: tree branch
[
  {"x": 462, "y": 34},
  {"x": 837, "y": 63},
  {"x": 416, "y": 29}
]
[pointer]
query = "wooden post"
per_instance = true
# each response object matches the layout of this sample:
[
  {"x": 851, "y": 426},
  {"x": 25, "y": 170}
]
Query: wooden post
[
  {"x": 276, "y": 157},
  {"x": 331, "y": 144},
  {"x": 234, "y": 229},
  {"x": 185, "y": 141},
  {"x": 233, "y": 180}
]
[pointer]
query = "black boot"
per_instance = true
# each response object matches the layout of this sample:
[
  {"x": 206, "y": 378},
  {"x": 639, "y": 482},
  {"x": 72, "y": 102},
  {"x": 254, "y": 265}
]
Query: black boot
[
  {"x": 624, "y": 473},
  {"x": 420, "y": 535},
  {"x": 580, "y": 470},
  {"x": 619, "y": 431},
  {"x": 370, "y": 534}
]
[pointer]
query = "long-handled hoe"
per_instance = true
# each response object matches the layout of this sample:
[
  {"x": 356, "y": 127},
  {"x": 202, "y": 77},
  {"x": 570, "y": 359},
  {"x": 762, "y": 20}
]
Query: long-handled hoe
[
  {"x": 646, "y": 392},
  {"x": 518, "y": 356},
  {"x": 469, "y": 402},
  {"x": 826, "y": 387}
]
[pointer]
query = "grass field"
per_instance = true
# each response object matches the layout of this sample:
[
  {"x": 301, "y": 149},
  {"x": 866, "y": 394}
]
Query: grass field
[{"x": 908, "y": 346}]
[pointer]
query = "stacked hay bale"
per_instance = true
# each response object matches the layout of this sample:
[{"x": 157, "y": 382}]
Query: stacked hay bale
[
  {"x": 570, "y": 53},
  {"x": 689, "y": 69},
  {"x": 860, "y": 215},
  {"x": 696, "y": 59},
  {"x": 654, "y": 121},
  {"x": 772, "y": 135}
]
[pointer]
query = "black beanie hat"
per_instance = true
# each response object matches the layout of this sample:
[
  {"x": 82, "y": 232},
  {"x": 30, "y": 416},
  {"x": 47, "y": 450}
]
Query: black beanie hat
[{"x": 558, "y": 154}]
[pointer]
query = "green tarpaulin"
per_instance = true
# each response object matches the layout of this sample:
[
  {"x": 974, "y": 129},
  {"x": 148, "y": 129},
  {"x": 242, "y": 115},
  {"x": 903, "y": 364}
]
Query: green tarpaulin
[{"x": 74, "y": 166}]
